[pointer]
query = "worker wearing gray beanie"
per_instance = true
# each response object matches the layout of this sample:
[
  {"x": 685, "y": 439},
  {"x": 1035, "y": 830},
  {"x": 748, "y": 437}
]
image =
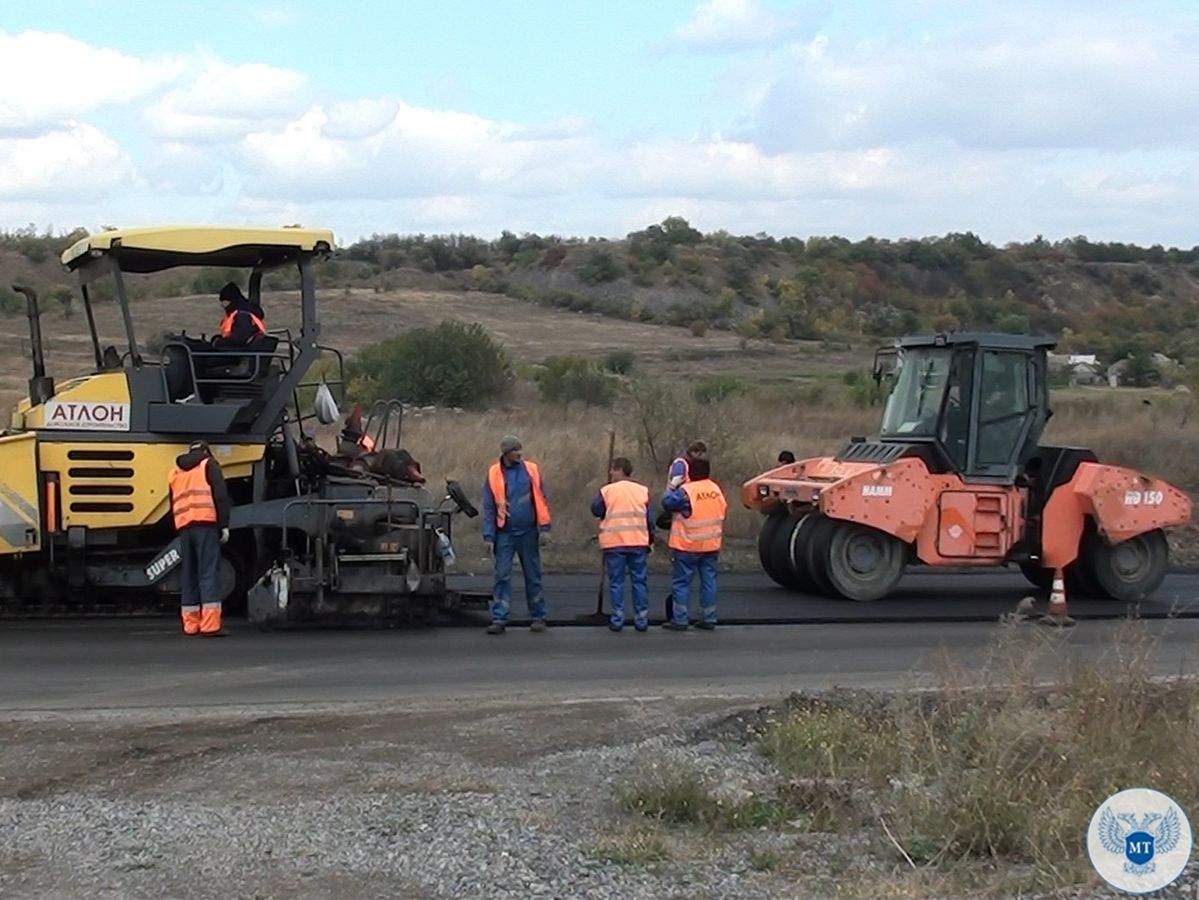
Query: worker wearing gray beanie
[{"x": 516, "y": 522}]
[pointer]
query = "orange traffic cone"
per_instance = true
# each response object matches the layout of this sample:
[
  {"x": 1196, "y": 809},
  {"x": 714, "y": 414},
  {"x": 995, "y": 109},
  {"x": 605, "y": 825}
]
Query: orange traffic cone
[{"x": 1057, "y": 613}]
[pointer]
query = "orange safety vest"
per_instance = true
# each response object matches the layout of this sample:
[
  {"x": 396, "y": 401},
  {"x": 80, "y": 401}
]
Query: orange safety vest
[
  {"x": 495, "y": 480},
  {"x": 624, "y": 524},
  {"x": 703, "y": 530},
  {"x": 191, "y": 496},
  {"x": 227, "y": 323}
]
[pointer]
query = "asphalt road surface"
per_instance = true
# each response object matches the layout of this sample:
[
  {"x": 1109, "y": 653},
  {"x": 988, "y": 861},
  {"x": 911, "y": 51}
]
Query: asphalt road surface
[
  {"x": 924, "y": 595},
  {"x": 145, "y": 663}
]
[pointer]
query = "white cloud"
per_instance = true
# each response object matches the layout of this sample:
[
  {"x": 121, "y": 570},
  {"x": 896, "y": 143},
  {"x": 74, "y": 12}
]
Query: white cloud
[
  {"x": 358, "y": 119},
  {"x": 1034, "y": 80},
  {"x": 226, "y": 102},
  {"x": 733, "y": 25},
  {"x": 1007, "y": 126},
  {"x": 52, "y": 78},
  {"x": 418, "y": 152},
  {"x": 76, "y": 164}
]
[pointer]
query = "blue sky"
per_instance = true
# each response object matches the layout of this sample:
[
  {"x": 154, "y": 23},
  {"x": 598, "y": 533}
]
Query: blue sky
[{"x": 898, "y": 118}]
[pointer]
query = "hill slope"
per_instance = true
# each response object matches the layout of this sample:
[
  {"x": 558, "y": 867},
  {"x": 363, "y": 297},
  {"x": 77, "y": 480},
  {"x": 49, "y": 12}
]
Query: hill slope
[{"x": 1109, "y": 299}]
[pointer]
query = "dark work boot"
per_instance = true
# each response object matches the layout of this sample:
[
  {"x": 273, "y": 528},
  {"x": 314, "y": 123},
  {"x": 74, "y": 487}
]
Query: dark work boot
[
  {"x": 674, "y": 626},
  {"x": 495, "y": 628},
  {"x": 538, "y": 626}
]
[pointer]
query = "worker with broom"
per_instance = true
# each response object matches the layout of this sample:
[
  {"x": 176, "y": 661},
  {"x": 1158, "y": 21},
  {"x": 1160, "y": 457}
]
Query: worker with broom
[{"x": 626, "y": 534}]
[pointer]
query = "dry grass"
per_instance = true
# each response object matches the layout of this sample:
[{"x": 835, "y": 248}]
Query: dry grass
[
  {"x": 632, "y": 847},
  {"x": 745, "y": 435},
  {"x": 684, "y": 797},
  {"x": 571, "y": 444},
  {"x": 993, "y": 769}
]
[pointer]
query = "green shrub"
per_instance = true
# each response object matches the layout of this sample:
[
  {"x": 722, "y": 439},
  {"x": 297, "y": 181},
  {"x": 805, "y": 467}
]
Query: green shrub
[
  {"x": 484, "y": 279},
  {"x": 64, "y": 296},
  {"x": 563, "y": 379},
  {"x": 601, "y": 267},
  {"x": 865, "y": 393},
  {"x": 452, "y": 364},
  {"x": 699, "y": 327},
  {"x": 620, "y": 362},
  {"x": 720, "y": 387},
  {"x": 210, "y": 281},
  {"x": 11, "y": 303}
]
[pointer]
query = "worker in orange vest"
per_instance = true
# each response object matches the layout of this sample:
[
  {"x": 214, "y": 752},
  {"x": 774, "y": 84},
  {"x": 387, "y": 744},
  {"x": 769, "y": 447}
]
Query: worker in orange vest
[
  {"x": 200, "y": 506},
  {"x": 516, "y": 522},
  {"x": 698, "y": 509},
  {"x": 626, "y": 533},
  {"x": 680, "y": 467},
  {"x": 244, "y": 322}
]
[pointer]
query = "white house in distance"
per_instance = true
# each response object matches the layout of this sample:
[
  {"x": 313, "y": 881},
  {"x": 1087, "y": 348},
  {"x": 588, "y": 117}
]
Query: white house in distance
[{"x": 1080, "y": 368}]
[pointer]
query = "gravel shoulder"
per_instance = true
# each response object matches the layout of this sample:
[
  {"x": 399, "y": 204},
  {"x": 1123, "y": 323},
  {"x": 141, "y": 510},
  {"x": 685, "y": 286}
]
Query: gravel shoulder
[{"x": 503, "y": 799}]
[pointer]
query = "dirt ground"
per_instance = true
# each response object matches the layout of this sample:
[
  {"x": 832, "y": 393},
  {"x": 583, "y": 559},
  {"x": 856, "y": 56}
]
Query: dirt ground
[{"x": 352, "y": 320}]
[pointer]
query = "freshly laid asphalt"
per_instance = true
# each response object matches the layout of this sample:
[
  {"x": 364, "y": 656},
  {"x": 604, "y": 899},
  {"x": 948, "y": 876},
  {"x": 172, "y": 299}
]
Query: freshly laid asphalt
[
  {"x": 923, "y": 595},
  {"x": 107, "y": 664}
]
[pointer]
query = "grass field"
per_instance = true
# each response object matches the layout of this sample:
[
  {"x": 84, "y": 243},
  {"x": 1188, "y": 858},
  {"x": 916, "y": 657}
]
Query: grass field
[
  {"x": 796, "y": 399},
  {"x": 351, "y": 320}
]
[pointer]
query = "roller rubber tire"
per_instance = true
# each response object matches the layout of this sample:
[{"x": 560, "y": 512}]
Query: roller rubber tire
[
  {"x": 1130, "y": 570},
  {"x": 771, "y": 525},
  {"x": 815, "y": 550},
  {"x": 863, "y": 564},
  {"x": 780, "y": 555},
  {"x": 796, "y": 554}
]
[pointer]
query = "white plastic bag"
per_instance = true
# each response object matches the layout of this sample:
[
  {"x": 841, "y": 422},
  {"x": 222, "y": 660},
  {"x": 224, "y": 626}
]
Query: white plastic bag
[{"x": 325, "y": 406}]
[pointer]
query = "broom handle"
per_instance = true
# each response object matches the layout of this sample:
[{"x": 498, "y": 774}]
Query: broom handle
[{"x": 599, "y": 594}]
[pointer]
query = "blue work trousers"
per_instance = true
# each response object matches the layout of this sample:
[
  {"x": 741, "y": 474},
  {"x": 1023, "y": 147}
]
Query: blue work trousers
[
  {"x": 200, "y": 549},
  {"x": 684, "y": 566},
  {"x": 616, "y": 563},
  {"x": 525, "y": 547}
]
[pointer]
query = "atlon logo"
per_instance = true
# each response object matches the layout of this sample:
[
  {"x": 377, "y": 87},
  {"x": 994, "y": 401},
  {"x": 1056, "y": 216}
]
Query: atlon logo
[{"x": 1139, "y": 840}]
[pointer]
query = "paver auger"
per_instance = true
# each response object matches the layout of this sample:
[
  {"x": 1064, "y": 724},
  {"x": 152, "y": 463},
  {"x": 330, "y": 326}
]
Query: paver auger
[{"x": 957, "y": 477}]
